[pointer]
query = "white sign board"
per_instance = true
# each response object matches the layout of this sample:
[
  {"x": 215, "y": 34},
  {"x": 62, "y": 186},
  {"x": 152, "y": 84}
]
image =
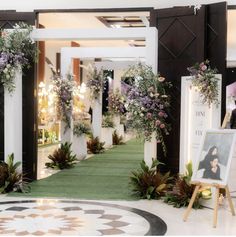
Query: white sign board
[{"x": 196, "y": 117}]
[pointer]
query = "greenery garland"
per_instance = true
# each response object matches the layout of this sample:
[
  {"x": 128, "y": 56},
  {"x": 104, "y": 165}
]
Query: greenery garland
[{"x": 17, "y": 50}]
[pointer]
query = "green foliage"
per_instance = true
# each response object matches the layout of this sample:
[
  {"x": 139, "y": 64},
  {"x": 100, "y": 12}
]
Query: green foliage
[
  {"x": 95, "y": 146},
  {"x": 150, "y": 183},
  {"x": 182, "y": 191},
  {"x": 62, "y": 158},
  {"x": 81, "y": 128},
  {"x": 116, "y": 139},
  {"x": 11, "y": 178},
  {"x": 107, "y": 121}
]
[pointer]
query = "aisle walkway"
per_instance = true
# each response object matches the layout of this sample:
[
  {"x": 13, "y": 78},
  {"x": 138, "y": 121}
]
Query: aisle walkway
[{"x": 103, "y": 176}]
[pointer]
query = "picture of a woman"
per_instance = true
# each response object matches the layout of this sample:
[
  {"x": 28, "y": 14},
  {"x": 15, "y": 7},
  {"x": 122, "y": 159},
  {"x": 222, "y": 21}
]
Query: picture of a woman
[{"x": 210, "y": 164}]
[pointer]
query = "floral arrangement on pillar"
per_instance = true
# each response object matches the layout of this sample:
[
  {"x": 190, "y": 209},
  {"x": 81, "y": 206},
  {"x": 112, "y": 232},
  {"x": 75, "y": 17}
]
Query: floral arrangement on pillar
[
  {"x": 17, "y": 50},
  {"x": 81, "y": 128},
  {"x": 206, "y": 82},
  {"x": 63, "y": 87},
  {"x": 95, "y": 82},
  {"x": 148, "y": 103},
  {"x": 116, "y": 103}
]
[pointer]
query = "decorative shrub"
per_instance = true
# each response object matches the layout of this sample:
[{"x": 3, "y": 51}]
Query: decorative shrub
[
  {"x": 116, "y": 139},
  {"x": 116, "y": 103},
  {"x": 81, "y": 128},
  {"x": 17, "y": 49},
  {"x": 62, "y": 158},
  {"x": 148, "y": 103},
  {"x": 182, "y": 191},
  {"x": 205, "y": 81},
  {"x": 10, "y": 178},
  {"x": 95, "y": 146},
  {"x": 107, "y": 121},
  {"x": 95, "y": 82},
  {"x": 150, "y": 183}
]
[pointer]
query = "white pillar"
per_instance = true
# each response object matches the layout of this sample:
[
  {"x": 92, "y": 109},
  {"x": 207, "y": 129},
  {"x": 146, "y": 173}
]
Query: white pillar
[
  {"x": 150, "y": 150},
  {"x": 97, "y": 117},
  {"x": 117, "y": 80},
  {"x": 66, "y": 136},
  {"x": 13, "y": 120},
  {"x": 66, "y": 133}
]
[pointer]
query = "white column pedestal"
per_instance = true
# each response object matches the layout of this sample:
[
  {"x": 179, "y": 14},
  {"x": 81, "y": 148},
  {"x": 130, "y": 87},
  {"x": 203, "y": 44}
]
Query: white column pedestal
[
  {"x": 97, "y": 118},
  {"x": 150, "y": 150},
  {"x": 79, "y": 146},
  {"x": 66, "y": 135},
  {"x": 106, "y": 136},
  {"x": 13, "y": 121}
]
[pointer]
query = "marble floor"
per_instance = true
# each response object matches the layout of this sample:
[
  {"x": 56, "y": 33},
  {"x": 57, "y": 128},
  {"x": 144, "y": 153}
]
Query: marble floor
[{"x": 40, "y": 217}]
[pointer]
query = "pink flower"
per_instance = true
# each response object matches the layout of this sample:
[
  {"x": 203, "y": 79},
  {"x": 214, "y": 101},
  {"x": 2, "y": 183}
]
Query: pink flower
[
  {"x": 158, "y": 122},
  {"x": 160, "y": 114},
  {"x": 203, "y": 67},
  {"x": 149, "y": 115},
  {"x": 162, "y": 125},
  {"x": 161, "y": 79}
]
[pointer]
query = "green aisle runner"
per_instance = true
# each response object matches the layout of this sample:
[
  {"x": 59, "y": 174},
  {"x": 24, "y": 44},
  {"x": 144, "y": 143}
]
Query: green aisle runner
[{"x": 103, "y": 176}]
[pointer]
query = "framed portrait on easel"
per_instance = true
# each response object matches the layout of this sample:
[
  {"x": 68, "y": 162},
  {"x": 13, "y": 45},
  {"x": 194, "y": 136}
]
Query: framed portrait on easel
[
  {"x": 215, "y": 155},
  {"x": 212, "y": 167}
]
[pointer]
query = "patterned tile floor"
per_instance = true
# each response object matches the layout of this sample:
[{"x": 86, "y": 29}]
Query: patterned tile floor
[
  {"x": 76, "y": 217},
  {"x": 60, "y": 217}
]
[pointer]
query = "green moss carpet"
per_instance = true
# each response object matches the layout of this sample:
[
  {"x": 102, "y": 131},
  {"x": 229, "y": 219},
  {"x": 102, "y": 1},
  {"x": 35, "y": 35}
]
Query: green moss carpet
[{"x": 104, "y": 176}]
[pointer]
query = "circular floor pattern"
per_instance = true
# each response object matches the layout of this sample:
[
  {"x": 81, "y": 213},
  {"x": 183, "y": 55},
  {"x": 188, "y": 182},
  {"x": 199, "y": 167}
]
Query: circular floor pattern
[{"x": 63, "y": 217}]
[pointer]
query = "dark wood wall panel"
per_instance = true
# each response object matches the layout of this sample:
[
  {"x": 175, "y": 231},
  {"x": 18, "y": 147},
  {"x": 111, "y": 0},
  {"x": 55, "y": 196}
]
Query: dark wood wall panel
[
  {"x": 184, "y": 39},
  {"x": 180, "y": 44},
  {"x": 216, "y": 43}
]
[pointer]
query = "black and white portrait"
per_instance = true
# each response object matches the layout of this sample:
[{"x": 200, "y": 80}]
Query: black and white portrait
[{"x": 215, "y": 157}]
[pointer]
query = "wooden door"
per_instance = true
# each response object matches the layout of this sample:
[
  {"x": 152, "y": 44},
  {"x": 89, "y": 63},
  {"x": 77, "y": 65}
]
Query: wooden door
[
  {"x": 216, "y": 43},
  {"x": 181, "y": 44},
  {"x": 7, "y": 21},
  {"x": 185, "y": 37}
]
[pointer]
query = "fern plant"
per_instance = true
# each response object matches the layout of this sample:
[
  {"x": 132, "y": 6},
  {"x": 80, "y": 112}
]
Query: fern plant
[
  {"x": 182, "y": 190},
  {"x": 116, "y": 139},
  {"x": 62, "y": 158},
  {"x": 13, "y": 178},
  {"x": 95, "y": 146},
  {"x": 150, "y": 183}
]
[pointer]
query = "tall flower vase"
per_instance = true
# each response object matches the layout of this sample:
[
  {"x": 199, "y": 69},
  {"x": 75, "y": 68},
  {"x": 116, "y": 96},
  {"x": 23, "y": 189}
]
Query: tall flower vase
[
  {"x": 150, "y": 150},
  {"x": 79, "y": 146},
  {"x": 13, "y": 120},
  {"x": 97, "y": 117},
  {"x": 106, "y": 136}
]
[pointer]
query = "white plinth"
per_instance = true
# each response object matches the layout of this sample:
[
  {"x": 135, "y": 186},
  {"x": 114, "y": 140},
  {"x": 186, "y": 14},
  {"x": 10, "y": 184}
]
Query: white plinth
[
  {"x": 195, "y": 119},
  {"x": 66, "y": 135},
  {"x": 97, "y": 118},
  {"x": 13, "y": 120},
  {"x": 106, "y": 136},
  {"x": 116, "y": 120},
  {"x": 150, "y": 150},
  {"x": 79, "y": 146}
]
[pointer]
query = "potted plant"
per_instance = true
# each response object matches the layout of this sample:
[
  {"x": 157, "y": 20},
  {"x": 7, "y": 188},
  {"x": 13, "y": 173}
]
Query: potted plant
[
  {"x": 79, "y": 144},
  {"x": 107, "y": 130}
]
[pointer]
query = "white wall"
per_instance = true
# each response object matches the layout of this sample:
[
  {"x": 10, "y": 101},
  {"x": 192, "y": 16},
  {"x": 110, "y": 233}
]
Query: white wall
[{"x": 30, "y": 5}]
